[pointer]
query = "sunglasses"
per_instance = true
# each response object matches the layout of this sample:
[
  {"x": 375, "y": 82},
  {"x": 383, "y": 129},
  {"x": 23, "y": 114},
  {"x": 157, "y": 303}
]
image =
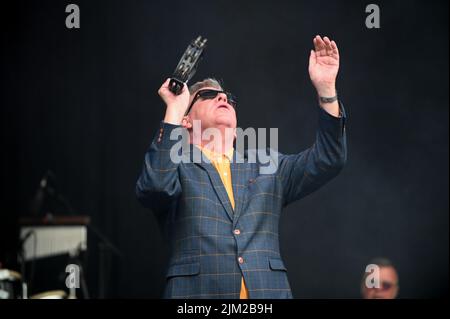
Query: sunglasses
[
  {"x": 385, "y": 285},
  {"x": 211, "y": 94}
]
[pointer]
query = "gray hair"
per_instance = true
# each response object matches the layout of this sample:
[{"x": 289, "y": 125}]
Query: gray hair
[
  {"x": 211, "y": 82},
  {"x": 382, "y": 262}
]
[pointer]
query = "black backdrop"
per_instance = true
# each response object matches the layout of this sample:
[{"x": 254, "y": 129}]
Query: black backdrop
[{"x": 83, "y": 103}]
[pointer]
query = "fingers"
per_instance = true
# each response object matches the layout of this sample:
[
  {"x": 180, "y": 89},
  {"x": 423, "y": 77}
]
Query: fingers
[
  {"x": 165, "y": 85},
  {"x": 185, "y": 87},
  {"x": 325, "y": 47},
  {"x": 335, "y": 48},
  {"x": 319, "y": 46},
  {"x": 328, "y": 47}
]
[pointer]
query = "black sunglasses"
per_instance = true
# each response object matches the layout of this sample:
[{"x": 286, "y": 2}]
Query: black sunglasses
[
  {"x": 208, "y": 94},
  {"x": 386, "y": 285}
]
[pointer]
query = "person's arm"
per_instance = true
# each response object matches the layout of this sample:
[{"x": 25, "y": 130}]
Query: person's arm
[
  {"x": 159, "y": 183},
  {"x": 305, "y": 172}
]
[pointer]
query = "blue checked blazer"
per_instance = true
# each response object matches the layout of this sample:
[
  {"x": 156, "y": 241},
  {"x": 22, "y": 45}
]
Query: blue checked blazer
[{"x": 211, "y": 245}]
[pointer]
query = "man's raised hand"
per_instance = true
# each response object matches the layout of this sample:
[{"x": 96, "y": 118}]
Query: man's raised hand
[
  {"x": 324, "y": 66},
  {"x": 176, "y": 105}
]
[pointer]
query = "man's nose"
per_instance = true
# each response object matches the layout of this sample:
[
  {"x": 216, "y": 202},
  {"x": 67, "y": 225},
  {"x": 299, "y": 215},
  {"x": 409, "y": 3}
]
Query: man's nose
[{"x": 222, "y": 97}]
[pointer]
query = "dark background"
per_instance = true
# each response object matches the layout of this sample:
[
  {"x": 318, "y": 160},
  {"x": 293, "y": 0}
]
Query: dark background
[{"x": 83, "y": 103}]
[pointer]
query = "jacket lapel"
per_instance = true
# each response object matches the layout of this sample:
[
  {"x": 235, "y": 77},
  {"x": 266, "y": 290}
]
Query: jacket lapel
[
  {"x": 239, "y": 178},
  {"x": 219, "y": 188},
  {"x": 215, "y": 180}
]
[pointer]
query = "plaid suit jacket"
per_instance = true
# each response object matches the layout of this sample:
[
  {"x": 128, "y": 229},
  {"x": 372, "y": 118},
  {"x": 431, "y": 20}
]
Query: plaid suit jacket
[{"x": 211, "y": 245}]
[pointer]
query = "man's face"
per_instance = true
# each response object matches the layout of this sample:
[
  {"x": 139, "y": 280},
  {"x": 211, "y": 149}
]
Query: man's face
[
  {"x": 388, "y": 285},
  {"x": 216, "y": 112}
]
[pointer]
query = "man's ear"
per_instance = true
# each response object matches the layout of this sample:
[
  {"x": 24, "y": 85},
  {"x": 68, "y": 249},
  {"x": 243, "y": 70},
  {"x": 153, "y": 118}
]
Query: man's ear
[{"x": 186, "y": 122}]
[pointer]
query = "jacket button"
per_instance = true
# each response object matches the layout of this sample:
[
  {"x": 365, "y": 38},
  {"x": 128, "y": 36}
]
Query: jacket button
[
  {"x": 241, "y": 260},
  {"x": 237, "y": 232}
]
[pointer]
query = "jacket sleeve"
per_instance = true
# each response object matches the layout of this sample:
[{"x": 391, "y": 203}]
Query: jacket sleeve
[
  {"x": 158, "y": 185},
  {"x": 303, "y": 173}
]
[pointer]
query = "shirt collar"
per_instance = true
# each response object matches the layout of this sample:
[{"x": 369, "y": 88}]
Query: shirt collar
[{"x": 214, "y": 156}]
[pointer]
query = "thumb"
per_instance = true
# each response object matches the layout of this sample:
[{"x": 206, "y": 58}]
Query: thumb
[{"x": 312, "y": 58}]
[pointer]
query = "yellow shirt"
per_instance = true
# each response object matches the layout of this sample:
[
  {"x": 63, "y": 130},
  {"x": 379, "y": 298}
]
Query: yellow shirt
[{"x": 222, "y": 164}]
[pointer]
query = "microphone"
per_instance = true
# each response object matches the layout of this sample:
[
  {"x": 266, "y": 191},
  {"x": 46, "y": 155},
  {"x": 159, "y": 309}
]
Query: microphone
[{"x": 39, "y": 197}]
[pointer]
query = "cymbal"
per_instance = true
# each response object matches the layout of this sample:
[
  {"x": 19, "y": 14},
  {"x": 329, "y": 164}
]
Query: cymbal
[
  {"x": 7, "y": 274},
  {"x": 51, "y": 294}
]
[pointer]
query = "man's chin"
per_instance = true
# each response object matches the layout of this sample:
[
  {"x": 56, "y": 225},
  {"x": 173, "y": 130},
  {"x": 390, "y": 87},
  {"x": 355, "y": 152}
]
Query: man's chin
[{"x": 221, "y": 121}]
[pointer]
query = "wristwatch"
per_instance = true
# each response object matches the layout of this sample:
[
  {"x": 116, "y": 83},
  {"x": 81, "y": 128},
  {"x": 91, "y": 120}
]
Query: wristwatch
[{"x": 328, "y": 99}]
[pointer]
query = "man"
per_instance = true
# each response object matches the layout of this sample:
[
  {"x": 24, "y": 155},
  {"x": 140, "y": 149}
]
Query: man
[
  {"x": 388, "y": 281},
  {"x": 221, "y": 217}
]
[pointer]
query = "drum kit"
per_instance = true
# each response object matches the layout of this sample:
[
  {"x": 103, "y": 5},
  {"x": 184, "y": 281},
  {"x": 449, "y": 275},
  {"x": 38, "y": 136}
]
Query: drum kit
[
  {"x": 51, "y": 243},
  {"x": 13, "y": 287}
]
